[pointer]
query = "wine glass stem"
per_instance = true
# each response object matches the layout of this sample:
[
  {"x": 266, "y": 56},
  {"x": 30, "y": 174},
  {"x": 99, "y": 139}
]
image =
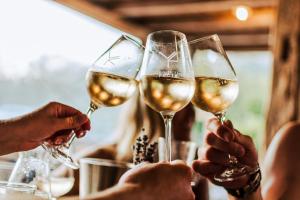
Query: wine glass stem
[
  {"x": 90, "y": 111},
  {"x": 221, "y": 117},
  {"x": 168, "y": 136}
]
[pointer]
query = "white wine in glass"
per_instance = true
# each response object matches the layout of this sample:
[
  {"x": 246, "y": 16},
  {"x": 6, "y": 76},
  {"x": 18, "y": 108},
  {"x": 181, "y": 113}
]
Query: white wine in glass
[
  {"x": 111, "y": 81},
  {"x": 216, "y": 89},
  {"x": 108, "y": 89},
  {"x": 167, "y": 80},
  {"x": 215, "y": 95},
  {"x": 167, "y": 95}
]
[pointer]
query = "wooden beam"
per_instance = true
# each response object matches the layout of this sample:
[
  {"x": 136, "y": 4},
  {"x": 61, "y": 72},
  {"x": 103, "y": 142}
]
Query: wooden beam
[
  {"x": 194, "y": 8},
  {"x": 285, "y": 104},
  {"x": 258, "y": 22},
  {"x": 245, "y": 40},
  {"x": 240, "y": 41},
  {"x": 105, "y": 16}
]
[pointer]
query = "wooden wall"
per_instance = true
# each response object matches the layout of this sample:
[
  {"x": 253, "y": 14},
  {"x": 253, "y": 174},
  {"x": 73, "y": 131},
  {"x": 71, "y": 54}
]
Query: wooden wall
[{"x": 284, "y": 104}]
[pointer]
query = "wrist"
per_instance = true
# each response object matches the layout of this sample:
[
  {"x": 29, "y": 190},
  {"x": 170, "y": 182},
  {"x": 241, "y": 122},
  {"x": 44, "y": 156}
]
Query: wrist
[
  {"x": 253, "y": 196},
  {"x": 251, "y": 188}
]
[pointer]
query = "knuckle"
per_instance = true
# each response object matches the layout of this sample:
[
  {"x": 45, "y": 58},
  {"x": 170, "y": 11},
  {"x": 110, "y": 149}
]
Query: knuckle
[
  {"x": 52, "y": 103},
  {"x": 235, "y": 149},
  {"x": 162, "y": 166},
  {"x": 248, "y": 138},
  {"x": 181, "y": 169},
  {"x": 210, "y": 138},
  {"x": 209, "y": 153},
  {"x": 70, "y": 121},
  {"x": 187, "y": 171}
]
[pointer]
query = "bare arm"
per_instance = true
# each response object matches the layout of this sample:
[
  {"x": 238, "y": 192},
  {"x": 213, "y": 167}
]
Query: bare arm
[
  {"x": 254, "y": 196},
  {"x": 281, "y": 164},
  {"x": 53, "y": 122}
]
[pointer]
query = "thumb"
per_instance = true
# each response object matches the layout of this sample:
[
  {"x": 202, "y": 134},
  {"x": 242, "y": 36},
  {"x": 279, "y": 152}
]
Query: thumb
[{"x": 71, "y": 122}]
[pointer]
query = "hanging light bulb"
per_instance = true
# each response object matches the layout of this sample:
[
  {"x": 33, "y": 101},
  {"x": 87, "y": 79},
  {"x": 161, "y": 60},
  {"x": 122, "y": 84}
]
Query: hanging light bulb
[{"x": 242, "y": 13}]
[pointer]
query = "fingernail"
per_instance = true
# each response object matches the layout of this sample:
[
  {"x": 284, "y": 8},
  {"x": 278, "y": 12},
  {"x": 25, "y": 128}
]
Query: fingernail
[
  {"x": 58, "y": 141},
  {"x": 81, "y": 134}
]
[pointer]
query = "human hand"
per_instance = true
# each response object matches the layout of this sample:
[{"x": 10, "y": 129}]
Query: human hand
[
  {"x": 52, "y": 123},
  {"x": 220, "y": 141},
  {"x": 168, "y": 181}
]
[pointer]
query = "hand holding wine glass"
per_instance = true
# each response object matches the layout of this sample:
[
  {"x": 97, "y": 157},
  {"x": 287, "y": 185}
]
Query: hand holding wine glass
[
  {"x": 216, "y": 89},
  {"x": 110, "y": 82},
  {"x": 167, "y": 78},
  {"x": 212, "y": 157}
]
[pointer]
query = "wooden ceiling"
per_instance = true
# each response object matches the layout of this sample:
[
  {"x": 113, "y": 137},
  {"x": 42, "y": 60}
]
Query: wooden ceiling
[{"x": 196, "y": 18}]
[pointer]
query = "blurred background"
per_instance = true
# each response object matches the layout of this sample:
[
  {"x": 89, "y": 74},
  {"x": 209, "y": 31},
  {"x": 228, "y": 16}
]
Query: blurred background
[{"x": 46, "y": 47}]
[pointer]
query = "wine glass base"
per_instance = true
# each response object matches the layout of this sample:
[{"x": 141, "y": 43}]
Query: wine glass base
[
  {"x": 62, "y": 154},
  {"x": 235, "y": 172},
  {"x": 65, "y": 159}
]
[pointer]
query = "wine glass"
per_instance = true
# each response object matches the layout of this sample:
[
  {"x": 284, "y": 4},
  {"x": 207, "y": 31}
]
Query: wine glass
[
  {"x": 167, "y": 78},
  {"x": 110, "y": 82},
  {"x": 216, "y": 89},
  {"x": 59, "y": 182}
]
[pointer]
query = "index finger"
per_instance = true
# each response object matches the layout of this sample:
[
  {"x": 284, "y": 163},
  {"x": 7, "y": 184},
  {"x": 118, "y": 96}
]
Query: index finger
[{"x": 66, "y": 111}]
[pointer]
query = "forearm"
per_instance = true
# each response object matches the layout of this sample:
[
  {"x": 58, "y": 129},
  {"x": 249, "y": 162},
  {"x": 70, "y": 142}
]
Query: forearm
[
  {"x": 254, "y": 196},
  {"x": 120, "y": 192},
  {"x": 8, "y": 138}
]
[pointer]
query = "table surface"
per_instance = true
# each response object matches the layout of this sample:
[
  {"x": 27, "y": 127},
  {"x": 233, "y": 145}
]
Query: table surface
[{"x": 69, "y": 198}]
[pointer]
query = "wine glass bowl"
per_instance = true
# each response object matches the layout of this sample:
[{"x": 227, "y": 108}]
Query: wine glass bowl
[
  {"x": 167, "y": 95},
  {"x": 111, "y": 81},
  {"x": 109, "y": 90},
  {"x": 167, "y": 78},
  {"x": 216, "y": 82}
]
